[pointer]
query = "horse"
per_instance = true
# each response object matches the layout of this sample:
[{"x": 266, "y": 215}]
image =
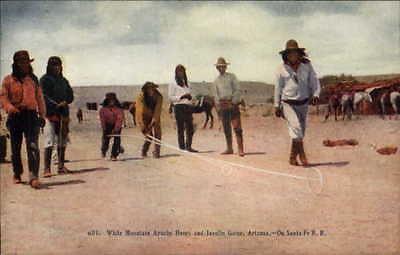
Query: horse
[
  {"x": 333, "y": 106},
  {"x": 347, "y": 105},
  {"x": 360, "y": 97},
  {"x": 395, "y": 101},
  {"x": 384, "y": 102},
  {"x": 205, "y": 104}
]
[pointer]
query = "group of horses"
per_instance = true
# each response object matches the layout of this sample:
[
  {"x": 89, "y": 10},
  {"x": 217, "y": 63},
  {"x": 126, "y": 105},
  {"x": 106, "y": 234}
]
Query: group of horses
[{"x": 348, "y": 103}]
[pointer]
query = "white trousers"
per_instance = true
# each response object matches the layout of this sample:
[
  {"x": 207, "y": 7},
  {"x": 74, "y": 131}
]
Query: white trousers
[
  {"x": 296, "y": 117},
  {"x": 50, "y": 136}
]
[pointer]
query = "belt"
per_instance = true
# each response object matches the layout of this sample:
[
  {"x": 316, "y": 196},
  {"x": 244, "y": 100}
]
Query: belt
[{"x": 295, "y": 102}]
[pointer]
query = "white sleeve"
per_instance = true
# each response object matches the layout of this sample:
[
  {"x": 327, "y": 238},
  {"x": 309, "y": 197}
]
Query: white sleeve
[
  {"x": 172, "y": 93},
  {"x": 236, "y": 97},
  {"x": 314, "y": 82},
  {"x": 278, "y": 89}
]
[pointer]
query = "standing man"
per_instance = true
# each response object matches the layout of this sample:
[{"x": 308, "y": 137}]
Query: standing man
[
  {"x": 148, "y": 116},
  {"x": 58, "y": 95},
  {"x": 179, "y": 93},
  {"x": 226, "y": 90},
  {"x": 297, "y": 85},
  {"x": 22, "y": 98},
  {"x": 111, "y": 119},
  {"x": 79, "y": 115}
]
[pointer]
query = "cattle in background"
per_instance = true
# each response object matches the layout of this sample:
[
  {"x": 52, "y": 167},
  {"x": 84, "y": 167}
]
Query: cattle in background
[{"x": 91, "y": 106}]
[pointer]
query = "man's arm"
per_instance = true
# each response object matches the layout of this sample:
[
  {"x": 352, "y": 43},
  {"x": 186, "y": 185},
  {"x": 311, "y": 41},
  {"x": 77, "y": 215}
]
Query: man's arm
[{"x": 236, "y": 96}]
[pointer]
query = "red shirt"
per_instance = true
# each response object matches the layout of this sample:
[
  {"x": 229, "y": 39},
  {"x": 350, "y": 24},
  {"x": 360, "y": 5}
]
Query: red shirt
[
  {"x": 111, "y": 115},
  {"x": 26, "y": 95}
]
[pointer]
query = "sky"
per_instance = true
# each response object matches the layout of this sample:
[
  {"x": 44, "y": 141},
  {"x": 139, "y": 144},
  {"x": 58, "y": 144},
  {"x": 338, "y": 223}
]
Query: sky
[{"x": 127, "y": 43}]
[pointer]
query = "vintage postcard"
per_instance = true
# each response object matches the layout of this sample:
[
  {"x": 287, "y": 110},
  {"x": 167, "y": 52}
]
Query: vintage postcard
[{"x": 207, "y": 127}]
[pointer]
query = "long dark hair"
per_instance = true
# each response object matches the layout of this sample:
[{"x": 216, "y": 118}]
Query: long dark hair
[
  {"x": 302, "y": 54},
  {"x": 181, "y": 82},
  {"x": 48, "y": 70},
  {"x": 20, "y": 75}
]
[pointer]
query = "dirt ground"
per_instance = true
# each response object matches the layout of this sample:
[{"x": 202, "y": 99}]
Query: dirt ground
[{"x": 357, "y": 211}]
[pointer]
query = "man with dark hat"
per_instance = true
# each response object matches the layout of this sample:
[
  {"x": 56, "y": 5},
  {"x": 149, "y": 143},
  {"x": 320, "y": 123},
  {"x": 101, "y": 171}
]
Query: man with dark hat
[
  {"x": 58, "y": 94},
  {"x": 297, "y": 85},
  {"x": 111, "y": 118},
  {"x": 226, "y": 90},
  {"x": 22, "y": 98},
  {"x": 148, "y": 115}
]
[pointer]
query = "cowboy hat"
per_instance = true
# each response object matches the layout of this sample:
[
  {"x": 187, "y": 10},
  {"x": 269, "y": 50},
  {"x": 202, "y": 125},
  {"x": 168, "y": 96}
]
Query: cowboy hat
[
  {"x": 221, "y": 62},
  {"x": 291, "y": 45},
  {"x": 22, "y": 55}
]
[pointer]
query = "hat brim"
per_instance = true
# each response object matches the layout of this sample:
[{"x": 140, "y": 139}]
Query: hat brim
[
  {"x": 293, "y": 49},
  {"x": 226, "y": 64}
]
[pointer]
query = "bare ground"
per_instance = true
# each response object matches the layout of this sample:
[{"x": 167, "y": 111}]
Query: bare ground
[{"x": 357, "y": 210}]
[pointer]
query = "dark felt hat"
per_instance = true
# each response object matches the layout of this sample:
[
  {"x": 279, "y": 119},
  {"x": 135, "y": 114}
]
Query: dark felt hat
[
  {"x": 22, "y": 55},
  {"x": 292, "y": 45}
]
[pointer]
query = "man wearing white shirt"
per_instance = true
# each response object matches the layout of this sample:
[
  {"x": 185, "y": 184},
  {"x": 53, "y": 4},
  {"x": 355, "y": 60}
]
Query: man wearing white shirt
[
  {"x": 179, "y": 93},
  {"x": 296, "y": 85},
  {"x": 226, "y": 90}
]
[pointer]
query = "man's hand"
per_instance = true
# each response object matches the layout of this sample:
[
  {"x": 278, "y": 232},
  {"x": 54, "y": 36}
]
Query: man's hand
[
  {"x": 12, "y": 110},
  {"x": 278, "y": 112},
  {"x": 314, "y": 100}
]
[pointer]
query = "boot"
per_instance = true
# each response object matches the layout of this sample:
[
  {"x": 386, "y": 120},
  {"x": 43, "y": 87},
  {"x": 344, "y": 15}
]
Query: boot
[
  {"x": 189, "y": 148},
  {"x": 47, "y": 162},
  {"x": 61, "y": 159},
  {"x": 145, "y": 149},
  {"x": 294, "y": 151},
  {"x": 239, "y": 139},
  {"x": 156, "y": 152},
  {"x": 229, "y": 149},
  {"x": 302, "y": 154}
]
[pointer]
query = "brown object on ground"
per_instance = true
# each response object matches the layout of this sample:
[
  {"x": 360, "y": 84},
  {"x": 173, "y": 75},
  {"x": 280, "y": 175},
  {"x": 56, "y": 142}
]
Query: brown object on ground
[
  {"x": 341, "y": 142},
  {"x": 388, "y": 150}
]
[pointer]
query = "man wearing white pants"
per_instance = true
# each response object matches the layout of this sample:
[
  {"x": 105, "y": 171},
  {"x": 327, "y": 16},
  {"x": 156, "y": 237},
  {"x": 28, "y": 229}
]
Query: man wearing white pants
[{"x": 297, "y": 85}]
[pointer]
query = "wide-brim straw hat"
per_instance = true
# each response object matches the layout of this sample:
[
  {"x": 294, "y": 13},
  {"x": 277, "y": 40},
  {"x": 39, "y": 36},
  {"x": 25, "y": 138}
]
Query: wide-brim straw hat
[
  {"x": 291, "y": 45},
  {"x": 22, "y": 55},
  {"x": 221, "y": 62}
]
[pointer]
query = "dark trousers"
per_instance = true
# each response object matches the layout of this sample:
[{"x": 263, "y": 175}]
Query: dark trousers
[
  {"x": 3, "y": 148},
  {"x": 116, "y": 147},
  {"x": 24, "y": 123},
  {"x": 231, "y": 118},
  {"x": 184, "y": 123}
]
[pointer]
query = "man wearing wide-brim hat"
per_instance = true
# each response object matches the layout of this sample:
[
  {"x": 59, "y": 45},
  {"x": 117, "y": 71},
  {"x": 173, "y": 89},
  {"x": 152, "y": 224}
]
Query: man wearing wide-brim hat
[
  {"x": 22, "y": 98},
  {"x": 226, "y": 90},
  {"x": 148, "y": 116},
  {"x": 296, "y": 86}
]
